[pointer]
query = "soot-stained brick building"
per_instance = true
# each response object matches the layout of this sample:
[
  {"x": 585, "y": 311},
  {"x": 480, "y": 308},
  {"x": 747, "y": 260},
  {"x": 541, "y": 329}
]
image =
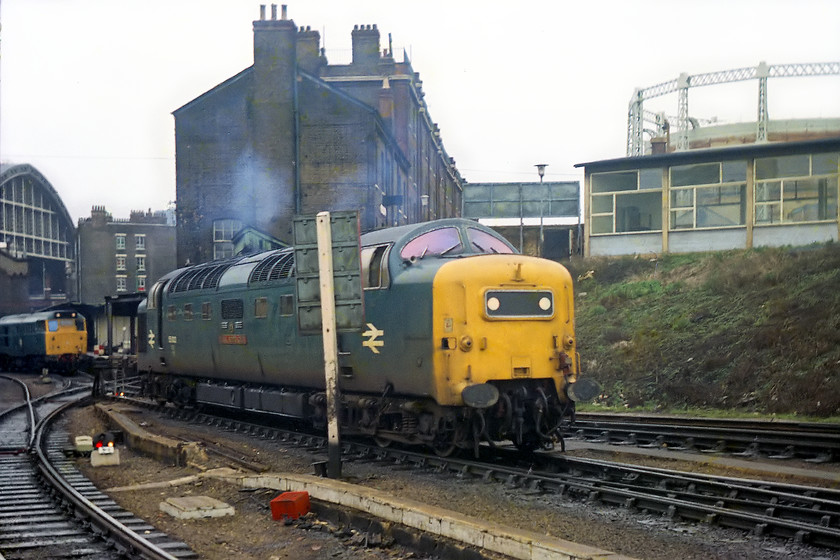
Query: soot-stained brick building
[{"x": 294, "y": 135}]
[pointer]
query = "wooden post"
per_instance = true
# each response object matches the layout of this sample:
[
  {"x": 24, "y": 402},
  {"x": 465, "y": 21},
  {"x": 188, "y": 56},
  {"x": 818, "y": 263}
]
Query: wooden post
[{"x": 325, "y": 276}]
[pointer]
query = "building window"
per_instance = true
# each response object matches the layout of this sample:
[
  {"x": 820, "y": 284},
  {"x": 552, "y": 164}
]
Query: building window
[
  {"x": 796, "y": 189},
  {"x": 707, "y": 195},
  {"x": 141, "y": 263},
  {"x": 121, "y": 283},
  {"x": 120, "y": 262},
  {"x": 141, "y": 283},
  {"x": 120, "y": 240},
  {"x": 140, "y": 242},
  {"x": 223, "y": 232},
  {"x": 626, "y": 201}
]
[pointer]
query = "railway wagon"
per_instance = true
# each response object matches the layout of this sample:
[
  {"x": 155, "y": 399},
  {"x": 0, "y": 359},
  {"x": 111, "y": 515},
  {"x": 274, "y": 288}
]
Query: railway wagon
[
  {"x": 56, "y": 340},
  {"x": 465, "y": 340}
]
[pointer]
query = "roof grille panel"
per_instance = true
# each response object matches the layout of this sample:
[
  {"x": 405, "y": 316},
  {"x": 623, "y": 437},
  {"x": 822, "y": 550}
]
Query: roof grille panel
[
  {"x": 283, "y": 268},
  {"x": 276, "y": 267},
  {"x": 262, "y": 270},
  {"x": 212, "y": 280}
]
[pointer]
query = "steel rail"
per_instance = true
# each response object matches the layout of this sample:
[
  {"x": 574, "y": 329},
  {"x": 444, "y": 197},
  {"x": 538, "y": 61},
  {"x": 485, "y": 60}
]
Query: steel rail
[
  {"x": 817, "y": 506},
  {"x": 132, "y": 543},
  {"x": 31, "y": 415},
  {"x": 687, "y": 503},
  {"x": 783, "y": 440},
  {"x": 751, "y": 505}
]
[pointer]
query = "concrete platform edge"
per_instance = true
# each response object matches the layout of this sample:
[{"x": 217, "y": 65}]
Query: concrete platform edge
[{"x": 520, "y": 544}]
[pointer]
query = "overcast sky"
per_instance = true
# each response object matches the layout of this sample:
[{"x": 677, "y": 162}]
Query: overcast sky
[{"x": 87, "y": 87}]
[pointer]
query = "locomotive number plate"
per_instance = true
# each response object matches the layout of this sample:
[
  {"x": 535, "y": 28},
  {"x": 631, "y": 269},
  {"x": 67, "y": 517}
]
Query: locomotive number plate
[{"x": 233, "y": 339}]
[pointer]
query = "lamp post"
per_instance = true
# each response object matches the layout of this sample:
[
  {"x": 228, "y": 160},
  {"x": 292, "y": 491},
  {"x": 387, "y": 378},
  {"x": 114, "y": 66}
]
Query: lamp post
[
  {"x": 541, "y": 171},
  {"x": 521, "y": 220},
  {"x": 424, "y": 205}
]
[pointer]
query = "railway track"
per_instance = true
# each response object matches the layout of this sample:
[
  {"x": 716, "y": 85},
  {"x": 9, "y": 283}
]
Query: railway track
[
  {"x": 808, "y": 441},
  {"x": 813, "y": 442},
  {"x": 803, "y": 514},
  {"x": 47, "y": 508}
]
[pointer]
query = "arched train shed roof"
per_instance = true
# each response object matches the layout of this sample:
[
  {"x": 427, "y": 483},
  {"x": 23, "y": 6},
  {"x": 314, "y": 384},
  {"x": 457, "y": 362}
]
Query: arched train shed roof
[{"x": 27, "y": 196}]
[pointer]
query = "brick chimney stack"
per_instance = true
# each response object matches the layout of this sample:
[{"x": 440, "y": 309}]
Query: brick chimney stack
[
  {"x": 273, "y": 118},
  {"x": 309, "y": 50},
  {"x": 365, "y": 45}
]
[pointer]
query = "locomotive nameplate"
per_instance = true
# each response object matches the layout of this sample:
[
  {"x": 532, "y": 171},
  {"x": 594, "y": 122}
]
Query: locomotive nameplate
[{"x": 233, "y": 339}]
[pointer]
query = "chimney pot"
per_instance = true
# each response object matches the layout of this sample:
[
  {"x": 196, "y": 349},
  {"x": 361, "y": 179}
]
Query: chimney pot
[
  {"x": 262, "y": 12},
  {"x": 274, "y": 11},
  {"x": 283, "y": 12}
]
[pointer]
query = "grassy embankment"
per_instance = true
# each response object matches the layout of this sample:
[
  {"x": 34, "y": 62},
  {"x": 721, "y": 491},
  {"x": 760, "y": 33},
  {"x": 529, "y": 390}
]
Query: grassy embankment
[{"x": 735, "y": 332}]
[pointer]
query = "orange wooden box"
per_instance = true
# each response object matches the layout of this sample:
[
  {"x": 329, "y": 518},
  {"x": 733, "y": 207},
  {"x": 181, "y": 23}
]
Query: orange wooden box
[{"x": 290, "y": 504}]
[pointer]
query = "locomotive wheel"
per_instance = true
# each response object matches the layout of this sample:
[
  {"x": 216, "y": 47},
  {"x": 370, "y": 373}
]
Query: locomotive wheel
[
  {"x": 444, "y": 443},
  {"x": 442, "y": 449}
]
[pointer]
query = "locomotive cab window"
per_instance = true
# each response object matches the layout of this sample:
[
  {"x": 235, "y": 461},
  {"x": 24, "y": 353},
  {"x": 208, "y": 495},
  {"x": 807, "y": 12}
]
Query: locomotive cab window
[
  {"x": 153, "y": 301},
  {"x": 206, "y": 311},
  {"x": 188, "y": 312},
  {"x": 375, "y": 267},
  {"x": 438, "y": 242},
  {"x": 171, "y": 312},
  {"x": 483, "y": 242}
]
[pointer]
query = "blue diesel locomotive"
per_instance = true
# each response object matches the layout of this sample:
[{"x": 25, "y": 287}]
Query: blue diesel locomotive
[
  {"x": 466, "y": 341},
  {"x": 56, "y": 340}
]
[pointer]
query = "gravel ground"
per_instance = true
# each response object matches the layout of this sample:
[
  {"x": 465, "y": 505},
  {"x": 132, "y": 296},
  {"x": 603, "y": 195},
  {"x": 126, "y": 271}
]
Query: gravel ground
[{"x": 252, "y": 534}]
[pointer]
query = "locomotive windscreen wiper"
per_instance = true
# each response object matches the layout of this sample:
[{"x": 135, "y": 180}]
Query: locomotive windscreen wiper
[
  {"x": 483, "y": 250},
  {"x": 451, "y": 248}
]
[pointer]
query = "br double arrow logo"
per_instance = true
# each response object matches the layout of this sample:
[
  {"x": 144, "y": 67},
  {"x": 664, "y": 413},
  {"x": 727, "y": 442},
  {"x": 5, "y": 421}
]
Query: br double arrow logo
[{"x": 373, "y": 341}]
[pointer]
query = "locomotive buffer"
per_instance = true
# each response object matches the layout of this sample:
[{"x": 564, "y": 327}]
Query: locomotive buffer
[{"x": 329, "y": 298}]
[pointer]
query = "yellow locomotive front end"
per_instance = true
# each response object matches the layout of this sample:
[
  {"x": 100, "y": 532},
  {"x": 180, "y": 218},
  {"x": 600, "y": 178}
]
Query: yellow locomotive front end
[
  {"x": 504, "y": 330},
  {"x": 65, "y": 340}
]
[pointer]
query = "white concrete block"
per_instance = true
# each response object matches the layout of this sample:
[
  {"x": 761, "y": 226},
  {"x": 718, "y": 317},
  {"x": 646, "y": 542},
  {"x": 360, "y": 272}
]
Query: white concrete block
[
  {"x": 196, "y": 507},
  {"x": 98, "y": 459},
  {"x": 83, "y": 444}
]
